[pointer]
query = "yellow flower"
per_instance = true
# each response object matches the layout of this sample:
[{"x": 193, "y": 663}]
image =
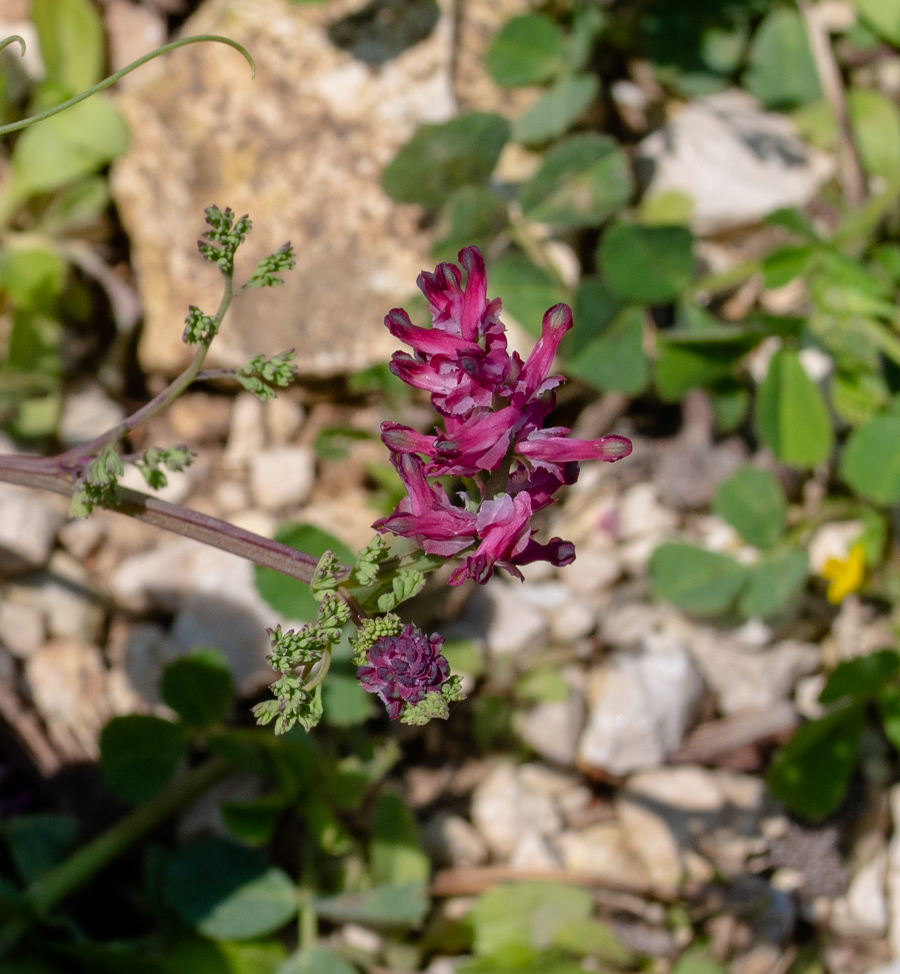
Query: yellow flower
[{"x": 845, "y": 574}]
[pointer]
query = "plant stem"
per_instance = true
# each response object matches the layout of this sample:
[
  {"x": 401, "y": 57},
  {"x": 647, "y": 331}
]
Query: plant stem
[
  {"x": 46, "y": 892},
  {"x": 44, "y": 474},
  {"x": 850, "y": 168},
  {"x": 158, "y": 403}
]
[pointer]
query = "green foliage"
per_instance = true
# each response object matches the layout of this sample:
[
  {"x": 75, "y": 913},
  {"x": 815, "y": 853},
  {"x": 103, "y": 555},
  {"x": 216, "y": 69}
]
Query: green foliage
[
  {"x": 286, "y": 595},
  {"x": 790, "y": 413},
  {"x": 199, "y": 329},
  {"x": 66, "y": 148},
  {"x": 782, "y": 73},
  {"x": 615, "y": 361},
  {"x": 774, "y": 583},
  {"x": 37, "y": 843},
  {"x": 198, "y": 688},
  {"x": 98, "y": 485},
  {"x": 219, "y": 244},
  {"x": 695, "y": 579},
  {"x": 527, "y": 290},
  {"x": 584, "y": 179},
  {"x": 861, "y": 677},
  {"x": 811, "y": 772},
  {"x": 396, "y": 855},
  {"x": 389, "y": 905},
  {"x": 527, "y": 50},
  {"x": 226, "y": 891},
  {"x": 870, "y": 461},
  {"x": 175, "y": 458},
  {"x": 72, "y": 44},
  {"x": 316, "y": 960},
  {"x": 442, "y": 158},
  {"x": 753, "y": 503},
  {"x": 883, "y": 16},
  {"x": 261, "y": 374},
  {"x": 472, "y": 216},
  {"x": 267, "y": 270},
  {"x": 652, "y": 264},
  {"x": 139, "y": 753},
  {"x": 556, "y": 110}
]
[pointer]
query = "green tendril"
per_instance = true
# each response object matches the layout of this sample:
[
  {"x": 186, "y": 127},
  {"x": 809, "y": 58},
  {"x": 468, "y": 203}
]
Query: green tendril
[
  {"x": 113, "y": 78},
  {"x": 9, "y": 40}
]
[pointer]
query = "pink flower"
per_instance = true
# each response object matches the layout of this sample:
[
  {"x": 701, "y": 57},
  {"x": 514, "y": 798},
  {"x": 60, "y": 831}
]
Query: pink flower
[{"x": 493, "y": 405}]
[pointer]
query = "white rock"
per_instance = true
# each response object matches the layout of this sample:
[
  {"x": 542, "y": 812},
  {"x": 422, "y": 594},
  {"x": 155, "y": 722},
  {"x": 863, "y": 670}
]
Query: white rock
[
  {"x": 284, "y": 417},
  {"x": 640, "y": 706},
  {"x": 87, "y": 414},
  {"x": 452, "y": 841},
  {"x": 566, "y": 790},
  {"x": 514, "y": 625},
  {"x": 863, "y": 910},
  {"x": 67, "y": 680},
  {"x": 22, "y": 628},
  {"x": 736, "y": 162},
  {"x": 751, "y": 680},
  {"x": 602, "y": 850},
  {"x": 893, "y": 875},
  {"x": 544, "y": 595},
  {"x": 571, "y": 621},
  {"x": 247, "y": 433},
  {"x": 80, "y": 538},
  {"x": 592, "y": 571},
  {"x": 533, "y": 851},
  {"x": 832, "y": 540},
  {"x": 640, "y": 513},
  {"x": 215, "y": 598},
  {"x": 231, "y": 496},
  {"x": 503, "y": 809},
  {"x": 627, "y": 623},
  {"x": 282, "y": 476},
  {"x": 27, "y": 528},
  {"x": 552, "y": 728}
]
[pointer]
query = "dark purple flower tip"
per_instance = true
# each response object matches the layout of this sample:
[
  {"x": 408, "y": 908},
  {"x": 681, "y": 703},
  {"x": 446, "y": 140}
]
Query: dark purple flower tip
[{"x": 403, "y": 668}]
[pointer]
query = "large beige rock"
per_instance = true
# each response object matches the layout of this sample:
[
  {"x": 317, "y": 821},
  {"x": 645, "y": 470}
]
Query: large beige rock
[{"x": 300, "y": 149}]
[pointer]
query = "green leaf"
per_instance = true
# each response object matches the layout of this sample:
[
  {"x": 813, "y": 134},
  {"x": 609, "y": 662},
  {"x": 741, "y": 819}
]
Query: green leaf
[
  {"x": 396, "y": 856},
  {"x": 545, "y": 684},
  {"x": 66, "y": 147},
  {"x": 695, "y": 579},
  {"x": 783, "y": 264},
  {"x": 594, "y": 308},
  {"x": 681, "y": 367},
  {"x": 753, "y": 503},
  {"x": 870, "y": 462},
  {"x": 197, "y": 955},
  {"x": 254, "y": 821},
  {"x": 883, "y": 16},
  {"x": 589, "y": 938},
  {"x": 730, "y": 404},
  {"x": 889, "y": 709},
  {"x": 70, "y": 33},
  {"x": 315, "y": 960},
  {"x": 666, "y": 208},
  {"x": 227, "y": 891},
  {"x": 472, "y": 216},
  {"x": 615, "y": 361},
  {"x": 556, "y": 110},
  {"x": 861, "y": 677},
  {"x": 527, "y": 290},
  {"x": 698, "y": 959},
  {"x": 442, "y": 158},
  {"x": 876, "y": 124},
  {"x": 773, "y": 583},
  {"x": 139, "y": 754},
  {"x": 37, "y": 843},
  {"x": 584, "y": 179},
  {"x": 392, "y": 905},
  {"x": 790, "y": 414},
  {"x": 782, "y": 72},
  {"x": 529, "y": 914},
  {"x": 287, "y": 595},
  {"x": 198, "y": 688},
  {"x": 652, "y": 264},
  {"x": 32, "y": 278},
  {"x": 527, "y": 50},
  {"x": 810, "y": 773},
  {"x": 344, "y": 701},
  {"x": 858, "y": 396}
]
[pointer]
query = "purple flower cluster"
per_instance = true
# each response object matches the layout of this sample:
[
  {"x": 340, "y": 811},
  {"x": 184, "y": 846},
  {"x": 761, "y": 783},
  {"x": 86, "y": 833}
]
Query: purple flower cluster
[
  {"x": 403, "y": 668},
  {"x": 493, "y": 406}
]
